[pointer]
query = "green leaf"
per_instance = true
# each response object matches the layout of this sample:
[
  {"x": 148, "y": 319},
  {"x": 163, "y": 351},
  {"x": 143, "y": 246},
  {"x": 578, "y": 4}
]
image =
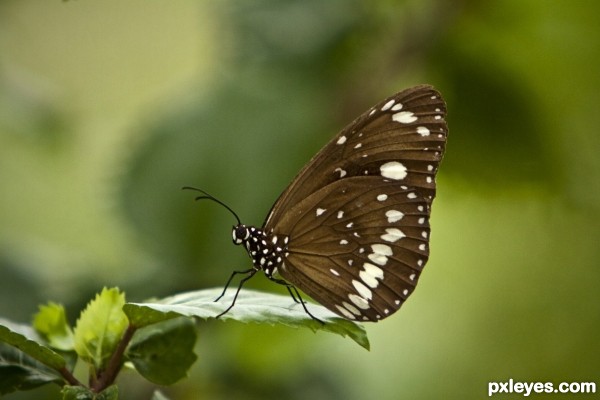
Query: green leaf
[
  {"x": 83, "y": 393},
  {"x": 51, "y": 323},
  {"x": 15, "y": 335},
  {"x": 100, "y": 327},
  {"x": 24, "y": 363},
  {"x": 163, "y": 352},
  {"x": 251, "y": 306}
]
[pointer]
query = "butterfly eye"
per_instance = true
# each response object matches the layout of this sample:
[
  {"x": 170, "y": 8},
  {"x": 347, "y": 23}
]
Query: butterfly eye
[{"x": 240, "y": 233}]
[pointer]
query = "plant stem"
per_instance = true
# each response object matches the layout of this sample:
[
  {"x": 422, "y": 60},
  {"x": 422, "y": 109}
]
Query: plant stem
[
  {"x": 109, "y": 374},
  {"x": 69, "y": 377}
]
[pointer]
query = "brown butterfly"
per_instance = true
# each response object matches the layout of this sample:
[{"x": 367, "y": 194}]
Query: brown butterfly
[{"x": 352, "y": 229}]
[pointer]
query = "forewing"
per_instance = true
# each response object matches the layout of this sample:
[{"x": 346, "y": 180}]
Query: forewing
[{"x": 407, "y": 130}]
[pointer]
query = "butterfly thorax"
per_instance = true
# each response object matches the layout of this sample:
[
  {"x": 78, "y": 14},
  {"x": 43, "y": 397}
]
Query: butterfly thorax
[{"x": 267, "y": 251}]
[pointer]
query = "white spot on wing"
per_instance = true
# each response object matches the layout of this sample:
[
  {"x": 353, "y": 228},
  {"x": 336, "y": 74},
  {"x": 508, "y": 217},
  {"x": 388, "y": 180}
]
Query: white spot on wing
[
  {"x": 388, "y": 105},
  {"x": 423, "y": 131},
  {"x": 397, "y": 107},
  {"x": 333, "y": 271},
  {"x": 380, "y": 253},
  {"x": 382, "y": 249},
  {"x": 341, "y": 171},
  {"x": 382, "y": 197},
  {"x": 404, "y": 117},
  {"x": 340, "y": 214},
  {"x": 320, "y": 211},
  {"x": 345, "y": 312},
  {"x": 393, "y": 216},
  {"x": 368, "y": 279},
  {"x": 358, "y": 301},
  {"x": 393, "y": 170},
  {"x": 370, "y": 274},
  {"x": 393, "y": 235},
  {"x": 341, "y": 140},
  {"x": 351, "y": 308},
  {"x": 364, "y": 291}
]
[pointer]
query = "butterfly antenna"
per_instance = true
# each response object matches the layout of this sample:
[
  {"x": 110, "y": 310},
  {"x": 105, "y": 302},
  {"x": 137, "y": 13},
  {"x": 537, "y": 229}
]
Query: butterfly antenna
[{"x": 208, "y": 196}]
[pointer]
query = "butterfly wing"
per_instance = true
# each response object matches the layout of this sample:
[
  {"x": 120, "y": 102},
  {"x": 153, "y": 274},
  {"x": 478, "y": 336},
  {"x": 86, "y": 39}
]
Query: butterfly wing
[
  {"x": 408, "y": 126},
  {"x": 357, "y": 215},
  {"x": 358, "y": 246}
]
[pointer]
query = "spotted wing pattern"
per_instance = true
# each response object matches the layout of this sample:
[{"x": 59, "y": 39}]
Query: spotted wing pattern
[{"x": 356, "y": 218}]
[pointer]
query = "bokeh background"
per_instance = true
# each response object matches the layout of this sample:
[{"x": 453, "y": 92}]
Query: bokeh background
[{"x": 108, "y": 107}]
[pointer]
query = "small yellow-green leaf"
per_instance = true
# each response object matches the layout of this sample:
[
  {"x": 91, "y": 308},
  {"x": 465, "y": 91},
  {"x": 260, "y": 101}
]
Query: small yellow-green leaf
[
  {"x": 51, "y": 323},
  {"x": 100, "y": 327}
]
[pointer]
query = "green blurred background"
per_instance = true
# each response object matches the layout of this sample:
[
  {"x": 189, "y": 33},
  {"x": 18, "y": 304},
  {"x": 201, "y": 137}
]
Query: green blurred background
[{"x": 108, "y": 107}]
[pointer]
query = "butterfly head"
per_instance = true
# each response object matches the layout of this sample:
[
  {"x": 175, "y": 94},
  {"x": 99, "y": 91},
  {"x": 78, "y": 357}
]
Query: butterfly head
[{"x": 240, "y": 233}]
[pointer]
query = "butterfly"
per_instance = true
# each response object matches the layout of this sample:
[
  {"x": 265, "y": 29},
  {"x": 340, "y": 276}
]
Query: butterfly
[{"x": 352, "y": 228}]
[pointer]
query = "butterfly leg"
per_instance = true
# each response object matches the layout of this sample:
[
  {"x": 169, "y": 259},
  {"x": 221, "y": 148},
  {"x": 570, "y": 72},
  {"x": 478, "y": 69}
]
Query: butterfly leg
[
  {"x": 287, "y": 285},
  {"x": 250, "y": 273},
  {"x": 295, "y": 295},
  {"x": 234, "y": 273},
  {"x": 291, "y": 289}
]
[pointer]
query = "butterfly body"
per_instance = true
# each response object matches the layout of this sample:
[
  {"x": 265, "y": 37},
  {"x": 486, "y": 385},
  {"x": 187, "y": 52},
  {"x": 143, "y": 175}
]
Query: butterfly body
[
  {"x": 352, "y": 229},
  {"x": 266, "y": 251}
]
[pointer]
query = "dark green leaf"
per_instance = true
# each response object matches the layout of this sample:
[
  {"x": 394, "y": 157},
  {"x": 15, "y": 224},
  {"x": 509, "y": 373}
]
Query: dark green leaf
[
  {"x": 24, "y": 363},
  {"x": 9, "y": 335},
  {"x": 251, "y": 306},
  {"x": 163, "y": 352},
  {"x": 82, "y": 393}
]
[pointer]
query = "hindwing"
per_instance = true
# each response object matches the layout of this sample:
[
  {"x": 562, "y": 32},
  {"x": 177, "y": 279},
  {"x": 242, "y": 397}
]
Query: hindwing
[{"x": 358, "y": 246}]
